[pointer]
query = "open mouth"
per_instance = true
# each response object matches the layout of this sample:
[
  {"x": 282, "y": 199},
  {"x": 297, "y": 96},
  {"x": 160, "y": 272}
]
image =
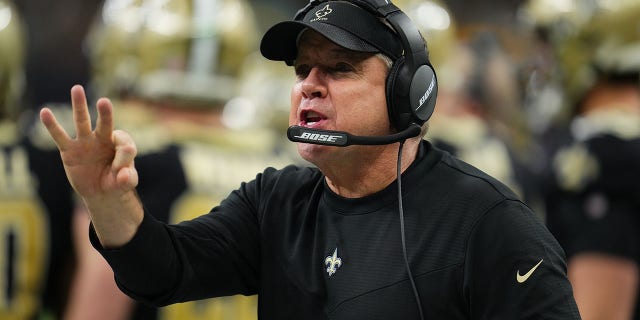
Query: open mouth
[{"x": 310, "y": 118}]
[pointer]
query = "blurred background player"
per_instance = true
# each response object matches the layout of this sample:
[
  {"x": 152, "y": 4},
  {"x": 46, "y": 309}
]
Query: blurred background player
[
  {"x": 545, "y": 102},
  {"x": 175, "y": 69},
  {"x": 479, "y": 116},
  {"x": 36, "y": 256},
  {"x": 593, "y": 197},
  {"x": 54, "y": 57}
]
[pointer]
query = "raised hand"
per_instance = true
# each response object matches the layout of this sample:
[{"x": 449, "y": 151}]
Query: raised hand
[{"x": 99, "y": 164}]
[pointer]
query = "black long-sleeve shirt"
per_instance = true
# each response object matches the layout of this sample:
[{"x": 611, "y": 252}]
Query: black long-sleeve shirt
[{"x": 474, "y": 249}]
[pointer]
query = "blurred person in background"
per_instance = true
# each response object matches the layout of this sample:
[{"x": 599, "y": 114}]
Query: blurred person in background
[
  {"x": 263, "y": 91},
  {"x": 54, "y": 58},
  {"x": 36, "y": 254},
  {"x": 481, "y": 119},
  {"x": 593, "y": 197},
  {"x": 479, "y": 116},
  {"x": 175, "y": 69},
  {"x": 544, "y": 97}
]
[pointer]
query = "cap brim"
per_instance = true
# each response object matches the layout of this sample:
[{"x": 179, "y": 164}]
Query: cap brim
[{"x": 280, "y": 42}]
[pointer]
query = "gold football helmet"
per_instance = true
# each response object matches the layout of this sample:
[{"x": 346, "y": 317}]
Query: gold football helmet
[
  {"x": 608, "y": 44},
  {"x": 589, "y": 39},
  {"x": 186, "y": 51},
  {"x": 12, "y": 51},
  {"x": 555, "y": 16}
]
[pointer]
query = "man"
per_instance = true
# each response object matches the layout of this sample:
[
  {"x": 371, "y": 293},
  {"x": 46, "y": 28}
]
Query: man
[{"x": 343, "y": 239}]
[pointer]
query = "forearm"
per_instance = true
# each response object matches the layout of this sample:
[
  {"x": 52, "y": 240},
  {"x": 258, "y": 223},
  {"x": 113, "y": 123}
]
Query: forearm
[
  {"x": 115, "y": 219},
  {"x": 147, "y": 267},
  {"x": 196, "y": 259}
]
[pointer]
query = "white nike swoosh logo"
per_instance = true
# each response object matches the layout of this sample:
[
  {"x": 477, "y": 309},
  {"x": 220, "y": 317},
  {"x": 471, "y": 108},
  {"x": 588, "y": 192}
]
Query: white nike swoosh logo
[{"x": 523, "y": 278}]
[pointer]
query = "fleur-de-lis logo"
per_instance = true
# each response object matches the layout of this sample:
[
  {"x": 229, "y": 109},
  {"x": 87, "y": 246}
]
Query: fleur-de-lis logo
[
  {"x": 323, "y": 12},
  {"x": 333, "y": 262}
]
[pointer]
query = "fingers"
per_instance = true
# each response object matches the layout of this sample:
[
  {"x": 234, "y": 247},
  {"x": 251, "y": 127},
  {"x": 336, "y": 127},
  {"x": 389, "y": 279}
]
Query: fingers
[
  {"x": 59, "y": 135},
  {"x": 125, "y": 150},
  {"x": 123, "y": 161},
  {"x": 127, "y": 177},
  {"x": 81, "y": 117},
  {"x": 104, "y": 124}
]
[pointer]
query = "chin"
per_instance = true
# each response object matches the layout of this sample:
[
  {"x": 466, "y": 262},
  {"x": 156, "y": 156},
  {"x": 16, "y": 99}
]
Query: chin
[{"x": 314, "y": 153}]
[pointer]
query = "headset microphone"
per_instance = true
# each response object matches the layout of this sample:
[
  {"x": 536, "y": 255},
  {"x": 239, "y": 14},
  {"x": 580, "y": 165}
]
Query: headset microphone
[{"x": 343, "y": 139}]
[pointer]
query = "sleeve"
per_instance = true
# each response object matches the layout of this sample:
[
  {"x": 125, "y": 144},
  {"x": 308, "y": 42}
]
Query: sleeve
[
  {"x": 216, "y": 254},
  {"x": 135, "y": 264},
  {"x": 515, "y": 269}
]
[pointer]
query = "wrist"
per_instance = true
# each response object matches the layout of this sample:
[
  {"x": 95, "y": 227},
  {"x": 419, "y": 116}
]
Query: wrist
[{"x": 115, "y": 218}]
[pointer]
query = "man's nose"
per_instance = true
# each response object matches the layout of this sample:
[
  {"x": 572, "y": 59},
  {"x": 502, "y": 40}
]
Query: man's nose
[{"x": 314, "y": 85}]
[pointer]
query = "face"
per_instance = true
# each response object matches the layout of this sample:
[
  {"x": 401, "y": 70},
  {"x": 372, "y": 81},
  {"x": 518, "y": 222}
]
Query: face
[{"x": 337, "y": 89}]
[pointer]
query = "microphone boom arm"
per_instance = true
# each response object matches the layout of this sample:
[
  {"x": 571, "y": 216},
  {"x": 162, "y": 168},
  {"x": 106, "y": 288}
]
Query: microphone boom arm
[{"x": 343, "y": 139}]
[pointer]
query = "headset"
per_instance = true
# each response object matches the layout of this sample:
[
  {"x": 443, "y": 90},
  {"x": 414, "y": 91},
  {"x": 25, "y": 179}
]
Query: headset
[{"x": 411, "y": 85}]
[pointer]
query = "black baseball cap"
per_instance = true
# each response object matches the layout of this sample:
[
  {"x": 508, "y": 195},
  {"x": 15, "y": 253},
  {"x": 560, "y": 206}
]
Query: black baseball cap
[{"x": 344, "y": 23}]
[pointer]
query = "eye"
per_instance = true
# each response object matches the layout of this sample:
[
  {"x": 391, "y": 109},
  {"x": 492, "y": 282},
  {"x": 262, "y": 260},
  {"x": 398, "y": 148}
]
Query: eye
[
  {"x": 302, "y": 71},
  {"x": 343, "y": 67}
]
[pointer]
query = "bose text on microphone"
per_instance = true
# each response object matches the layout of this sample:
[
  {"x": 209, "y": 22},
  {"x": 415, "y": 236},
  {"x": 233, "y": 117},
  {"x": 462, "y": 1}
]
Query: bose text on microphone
[{"x": 343, "y": 139}]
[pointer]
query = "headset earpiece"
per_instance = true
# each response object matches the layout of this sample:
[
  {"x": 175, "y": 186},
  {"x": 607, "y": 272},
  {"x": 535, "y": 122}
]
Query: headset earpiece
[
  {"x": 398, "y": 118},
  {"x": 410, "y": 94},
  {"x": 411, "y": 84}
]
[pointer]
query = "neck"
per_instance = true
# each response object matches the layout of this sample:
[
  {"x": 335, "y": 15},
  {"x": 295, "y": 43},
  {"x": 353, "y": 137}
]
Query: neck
[{"x": 371, "y": 171}]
